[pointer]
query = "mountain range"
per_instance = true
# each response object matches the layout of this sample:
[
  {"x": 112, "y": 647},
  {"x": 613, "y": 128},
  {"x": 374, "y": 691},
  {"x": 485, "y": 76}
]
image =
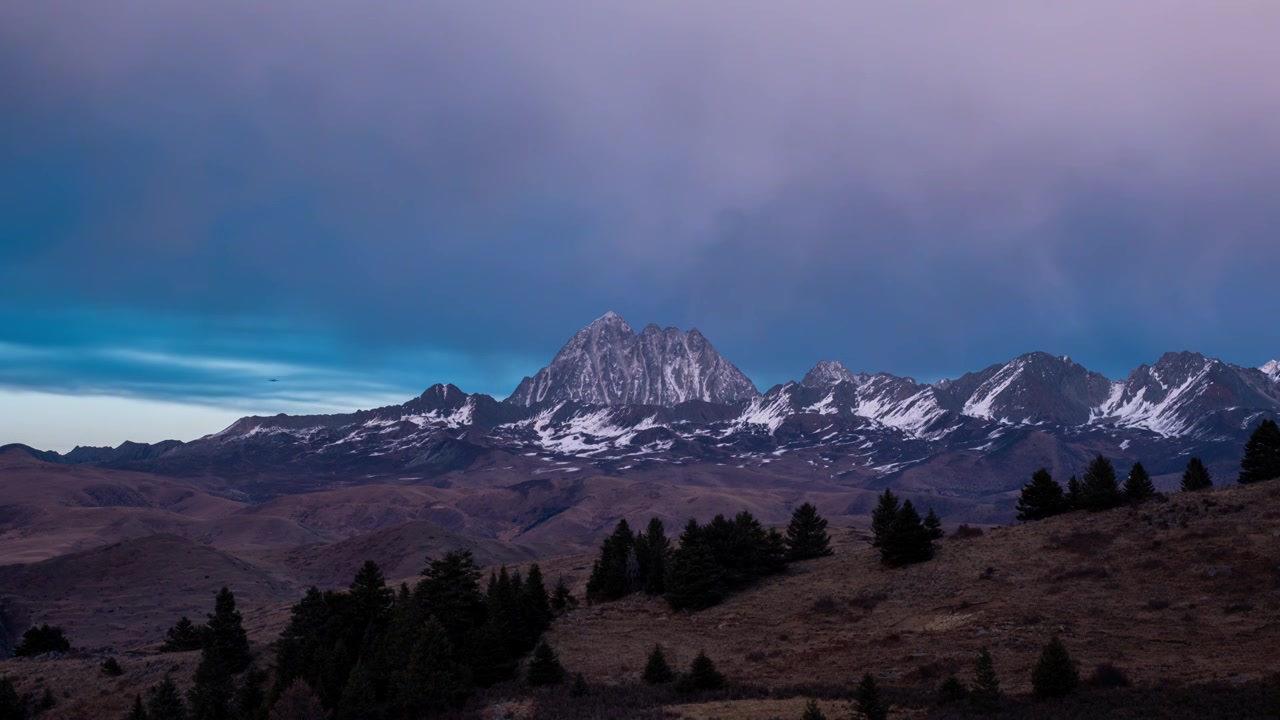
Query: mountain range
[{"x": 618, "y": 403}]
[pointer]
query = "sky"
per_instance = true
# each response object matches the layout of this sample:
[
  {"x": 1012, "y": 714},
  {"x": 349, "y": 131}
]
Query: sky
[{"x": 363, "y": 199}]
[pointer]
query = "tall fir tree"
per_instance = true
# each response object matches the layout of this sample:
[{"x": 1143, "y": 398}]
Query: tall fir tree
[
  {"x": 210, "y": 695},
  {"x": 1075, "y": 494},
  {"x": 1138, "y": 486},
  {"x": 1099, "y": 489},
  {"x": 534, "y": 605},
  {"x": 807, "y": 534},
  {"x": 225, "y": 637},
  {"x": 369, "y": 593},
  {"x": 1196, "y": 476},
  {"x": 561, "y": 599},
  {"x": 183, "y": 636},
  {"x": 656, "y": 669},
  {"x": 1041, "y": 498},
  {"x": 985, "y": 693},
  {"x": 884, "y": 516},
  {"x": 907, "y": 540},
  {"x": 933, "y": 524},
  {"x": 434, "y": 679},
  {"x": 1261, "y": 460},
  {"x": 694, "y": 579},
  {"x": 653, "y": 549},
  {"x": 544, "y": 666},
  {"x": 867, "y": 701},
  {"x": 450, "y": 590},
  {"x": 1055, "y": 674},
  {"x": 164, "y": 702},
  {"x": 612, "y": 574}
]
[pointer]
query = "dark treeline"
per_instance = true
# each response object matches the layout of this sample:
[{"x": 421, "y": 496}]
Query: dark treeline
[
  {"x": 1099, "y": 488},
  {"x": 710, "y": 561}
]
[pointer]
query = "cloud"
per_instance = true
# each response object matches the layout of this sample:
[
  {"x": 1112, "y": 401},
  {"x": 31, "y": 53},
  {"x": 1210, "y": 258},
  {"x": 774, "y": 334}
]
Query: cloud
[{"x": 405, "y": 191}]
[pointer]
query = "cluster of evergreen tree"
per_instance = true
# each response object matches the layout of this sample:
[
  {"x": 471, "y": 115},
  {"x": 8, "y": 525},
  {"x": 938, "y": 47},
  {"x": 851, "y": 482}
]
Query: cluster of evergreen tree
[
  {"x": 372, "y": 652},
  {"x": 902, "y": 536},
  {"x": 711, "y": 560},
  {"x": 1261, "y": 459},
  {"x": 40, "y": 639}
]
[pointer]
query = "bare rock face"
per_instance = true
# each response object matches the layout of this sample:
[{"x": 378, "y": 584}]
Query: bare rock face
[
  {"x": 606, "y": 363},
  {"x": 830, "y": 372}
]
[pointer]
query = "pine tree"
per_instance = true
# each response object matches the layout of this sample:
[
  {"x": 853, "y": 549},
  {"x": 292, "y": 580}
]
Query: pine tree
[
  {"x": 610, "y": 574},
  {"x": 164, "y": 702},
  {"x": 884, "y": 516},
  {"x": 985, "y": 694},
  {"x": 807, "y": 534},
  {"x": 183, "y": 636},
  {"x": 1075, "y": 494},
  {"x": 250, "y": 701},
  {"x": 138, "y": 712},
  {"x": 866, "y": 699},
  {"x": 1196, "y": 476},
  {"x": 1138, "y": 486},
  {"x": 561, "y": 598},
  {"x": 225, "y": 637},
  {"x": 544, "y": 666},
  {"x": 656, "y": 669},
  {"x": 534, "y": 605},
  {"x": 694, "y": 580},
  {"x": 907, "y": 540},
  {"x": 369, "y": 593},
  {"x": 360, "y": 695},
  {"x": 952, "y": 690},
  {"x": 652, "y": 551},
  {"x": 1041, "y": 498},
  {"x": 40, "y": 639},
  {"x": 434, "y": 681},
  {"x": 450, "y": 587},
  {"x": 702, "y": 675},
  {"x": 491, "y": 661},
  {"x": 1099, "y": 489},
  {"x": 812, "y": 711},
  {"x": 579, "y": 687},
  {"x": 933, "y": 524},
  {"x": 1261, "y": 459},
  {"x": 1055, "y": 675},
  {"x": 210, "y": 696}
]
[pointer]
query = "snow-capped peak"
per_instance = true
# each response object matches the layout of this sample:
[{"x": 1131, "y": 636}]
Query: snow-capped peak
[
  {"x": 1272, "y": 368},
  {"x": 828, "y": 373}
]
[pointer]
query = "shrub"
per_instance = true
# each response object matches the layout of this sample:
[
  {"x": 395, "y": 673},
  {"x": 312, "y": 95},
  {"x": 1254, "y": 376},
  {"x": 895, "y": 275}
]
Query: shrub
[
  {"x": 111, "y": 667},
  {"x": 964, "y": 532},
  {"x": 41, "y": 639},
  {"x": 1107, "y": 675},
  {"x": 952, "y": 691}
]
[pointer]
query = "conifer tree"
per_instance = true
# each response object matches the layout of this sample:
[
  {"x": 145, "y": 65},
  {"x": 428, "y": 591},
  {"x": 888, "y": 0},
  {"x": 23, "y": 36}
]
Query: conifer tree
[
  {"x": 702, "y": 675},
  {"x": 1075, "y": 494},
  {"x": 653, "y": 548},
  {"x": 907, "y": 540},
  {"x": 164, "y": 702},
  {"x": 1196, "y": 476},
  {"x": 360, "y": 695},
  {"x": 866, "y": 699},
  {"x": 544, "y": 666},
  {"x": 435, "y": 681},
  {"x": 369, "y": 592},
  {"x": 807, "y": 534},
  {"x": 933, "y": 524},
  {"x": 1138, "y": 486},
  {"x": 579, "y": 687},
  {"x": 985, "y": 694},
  {"x": 561, "y": 598},
  {"x": 225, "y": 636},
  {"x": 1055, "y": 674},
  {"x": 1261, "y": 459},
  {"x": 534, "y": 605},
  {"x": 812, "y": 711},
  {"x": 694, "y": 579},
  {"x": 1041, "y": 498},
  {"x": 183, "y": 636},
  {"x": 491, "y": 661},
  {"x": 884, "y": 516},
  {"x": 450, "y": 588},
  {"x": 952, "y": 690},
  {"x": 40, "y": 639},
  {"x": 210, "y": 696},
  {"x": 611, "y": 574},
  {"x": 656, "y": 669},
  {"x": 250, "y": 701},
  {"x": 137, "y": 712},
  {"x": 1099, "y": 489}
]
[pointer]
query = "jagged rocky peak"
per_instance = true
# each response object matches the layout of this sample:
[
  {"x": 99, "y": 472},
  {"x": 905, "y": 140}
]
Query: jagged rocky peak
[
  {"x": 1033, "y": 388},
  {"x": 606, "y": 363},
  {"x": 830, "y": 372},
  {"x": 1272, "y": 369}
]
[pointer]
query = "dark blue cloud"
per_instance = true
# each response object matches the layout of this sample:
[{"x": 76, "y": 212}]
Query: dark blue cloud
[{"x": 411, "y": 193}]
